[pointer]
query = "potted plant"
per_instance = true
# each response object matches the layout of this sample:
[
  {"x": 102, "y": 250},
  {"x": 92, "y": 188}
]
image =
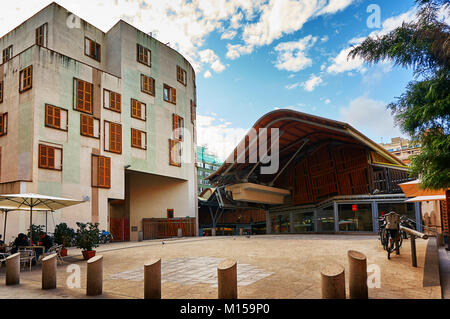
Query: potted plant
[
  {"x": 33, "y": 234},
  {"x": 64, "y": 236},
  {"x": 86, "y": 238}
]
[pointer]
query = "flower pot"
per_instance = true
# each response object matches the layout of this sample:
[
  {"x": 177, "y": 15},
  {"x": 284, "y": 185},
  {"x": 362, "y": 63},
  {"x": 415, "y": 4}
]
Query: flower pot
[
  {"x": 88, "y": 254},
  {"x": 63, "y": 252}
]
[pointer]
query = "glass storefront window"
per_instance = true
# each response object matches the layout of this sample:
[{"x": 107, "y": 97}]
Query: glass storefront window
[
  {"x": 355, "y": 217},
  {"x": 280, "y": 223},
  {"x": 303, "y": 222},
  {"x": 407, "y": 209},
  {"x": 325, "y": 219}
]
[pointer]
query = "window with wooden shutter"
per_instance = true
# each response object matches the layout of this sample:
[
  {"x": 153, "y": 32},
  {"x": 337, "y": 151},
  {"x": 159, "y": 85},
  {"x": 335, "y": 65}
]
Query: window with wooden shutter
[
  {"x": 181, "y": 75},
  {"x": 112, "y": 101},
  {"x": 138, "y": 139},
  {"x": 92, "y": 49},
  {"x": 144, "y": 55},
  {"x": 50, "y": 157},
  {"x": 170, "y": 213},
  {"x": 41, "y": 35},
  {"x": 138, "y": 110},
  {"x": 1, "y": 91},
  {"x": 7, "y": 53},
  {"x": 113, "y": 137},
  {"x": 147, "y": 85},
  {"x": 26, "y": 79},
  {"x": 56, "y": 117},
  {"x": 177, "y": 127},
  {"x": 3, "y": 124},
  {"x": 84, "y": 96},
  {"x": 174, "y": 152},
  {"x": 169, "y": 94},
  {"x": 193, "y": 112},
  {"x": 101, "y": 171}
]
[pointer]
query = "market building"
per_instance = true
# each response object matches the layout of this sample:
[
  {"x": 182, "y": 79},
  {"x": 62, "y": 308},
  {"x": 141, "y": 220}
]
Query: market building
[
  {"x": 330, "y": 177},
  {"x": 104, "y": 117}
]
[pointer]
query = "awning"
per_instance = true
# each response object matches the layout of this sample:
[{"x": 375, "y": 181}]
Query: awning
[
  {"x": 426, "y": 198},
  {"x": 413, "y": 189}
]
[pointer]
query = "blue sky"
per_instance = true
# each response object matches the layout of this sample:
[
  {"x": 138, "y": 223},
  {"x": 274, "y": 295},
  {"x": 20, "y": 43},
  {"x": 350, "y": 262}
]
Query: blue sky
[{"x": 254, "y": 56}]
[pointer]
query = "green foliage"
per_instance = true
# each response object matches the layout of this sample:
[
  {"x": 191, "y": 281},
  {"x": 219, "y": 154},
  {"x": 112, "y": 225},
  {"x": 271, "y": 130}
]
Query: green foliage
[
  {"x": 423, "y": 110},
  {"x": 86, "y": 237},
  {"x": 36, "y": 230},
  {"x": 64, "y": 235}
]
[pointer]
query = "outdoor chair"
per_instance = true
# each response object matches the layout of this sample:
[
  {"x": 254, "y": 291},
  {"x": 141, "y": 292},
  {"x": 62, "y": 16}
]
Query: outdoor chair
[
  {"x": 55, "y": 249},
  {"x": 3, "y": 257},
  {"x": 27, "y": 255}
]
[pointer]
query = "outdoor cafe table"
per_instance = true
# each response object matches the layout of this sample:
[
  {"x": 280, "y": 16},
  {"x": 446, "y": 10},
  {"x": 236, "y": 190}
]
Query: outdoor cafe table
[{"x": 33, "y": 248}]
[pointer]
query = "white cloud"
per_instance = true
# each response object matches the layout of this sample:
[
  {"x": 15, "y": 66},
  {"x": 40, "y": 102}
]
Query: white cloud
[
  {"x": 327, "y": 101},
  {"x": 236, "y": 50},
  {"x": 361, "y": 112},
  {"x": 324, "y": 38},
  {"x": 208, "y": 56},
  {"x": 292, "y": 55},
  {"x": 228, "y": 35},
  {"x": 312, "y": 82},
  {"x": 219, "y": 137},
  {"x": 207, "y": 74},
  {"x": 293, "y": 85},
  {"x": 340, "y": 63}
]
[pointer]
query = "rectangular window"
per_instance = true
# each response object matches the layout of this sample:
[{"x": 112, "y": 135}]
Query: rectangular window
[
  {"x": 181, "y": 75},
  {"x": 147, "y": 85},
  {"x": 92, "y": 49},
  {"x": 138, "y": 110},
  {"x": 41, "y": 35},
  {"x": 138, "y": 139},
  {"x": 84, "y": 96},
  {"x": 7, "y": 53},
  {"x": 144, "y": 55},
  {"x": 1, "y": 91},
  {"x": 50, "y": 157},
  {"x": 89, "y": 126},
  {"x": 3, "y": 124},
  {"x": 175, "y": 153},
  {"x": 170, "y": 213},
  {"x": 112, "y": 101},
  {"x": 56, "y": 117},
  {"x": 170, "y": 94},
  {"x": 177, "y": 127},
  {"x": 193, "y": 112},
  {"x": 101, "y": 171},
  {"x": 113, "y": 137},
  {"x": 26, "y": 79}
]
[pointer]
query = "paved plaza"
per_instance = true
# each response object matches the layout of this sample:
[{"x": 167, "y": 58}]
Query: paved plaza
[{"x": 269, "y": 266}]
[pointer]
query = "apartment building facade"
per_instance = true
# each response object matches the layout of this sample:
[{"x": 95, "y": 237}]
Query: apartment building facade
[
  {"x": 108, "y": 118},
  {"x": 207, "y": 163}
]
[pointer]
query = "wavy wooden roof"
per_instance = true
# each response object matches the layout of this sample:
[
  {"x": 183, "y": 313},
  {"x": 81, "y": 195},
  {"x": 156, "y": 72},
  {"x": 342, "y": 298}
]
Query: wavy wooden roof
[{"x": 294, "y": 127}]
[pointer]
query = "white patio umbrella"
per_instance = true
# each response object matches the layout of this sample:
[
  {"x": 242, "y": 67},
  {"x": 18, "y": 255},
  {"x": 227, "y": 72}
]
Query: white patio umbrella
[
  {"x": 6, "y": 210},
  {"x": 36, "y": 202}
]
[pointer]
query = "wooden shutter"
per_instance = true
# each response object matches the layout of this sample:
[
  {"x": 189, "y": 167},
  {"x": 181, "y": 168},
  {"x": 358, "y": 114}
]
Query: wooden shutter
[{"x": 174, "y": 96}]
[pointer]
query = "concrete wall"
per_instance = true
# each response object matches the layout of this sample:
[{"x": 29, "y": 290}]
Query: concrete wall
[
  {"x": 151, "y": 196},
  {"x": 54, "y": 70}
]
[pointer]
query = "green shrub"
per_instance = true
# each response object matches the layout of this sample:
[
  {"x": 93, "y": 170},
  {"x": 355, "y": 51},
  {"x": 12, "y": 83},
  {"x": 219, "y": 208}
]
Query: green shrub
[
  {"x": 64, "y": 235},
  {"x": 86, "y": 237}
]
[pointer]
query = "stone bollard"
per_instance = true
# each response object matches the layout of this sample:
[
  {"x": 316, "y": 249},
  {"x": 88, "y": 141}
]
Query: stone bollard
[
  {"x": 227, "y": 279},
  {"x": 180, "y": 233},
  {"x": 49, "y": 272},
  {"x": 358, "y": 275},
  {"x": 333, "y": 282},
  {"x": 241, "y": 231},
  {"x": 13, "y": 270},
  {"x": 94, "y": 276},
  {"x": 152, "y": 279}
]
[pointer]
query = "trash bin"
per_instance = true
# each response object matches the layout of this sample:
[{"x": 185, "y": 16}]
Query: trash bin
[{"x": 140, "y": 236}]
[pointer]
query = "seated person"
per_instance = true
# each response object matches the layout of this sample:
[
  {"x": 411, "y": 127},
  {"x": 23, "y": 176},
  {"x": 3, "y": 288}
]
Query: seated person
[
  {"x": 21, "y": 240},
  {"x": 46, "y": 241}
]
